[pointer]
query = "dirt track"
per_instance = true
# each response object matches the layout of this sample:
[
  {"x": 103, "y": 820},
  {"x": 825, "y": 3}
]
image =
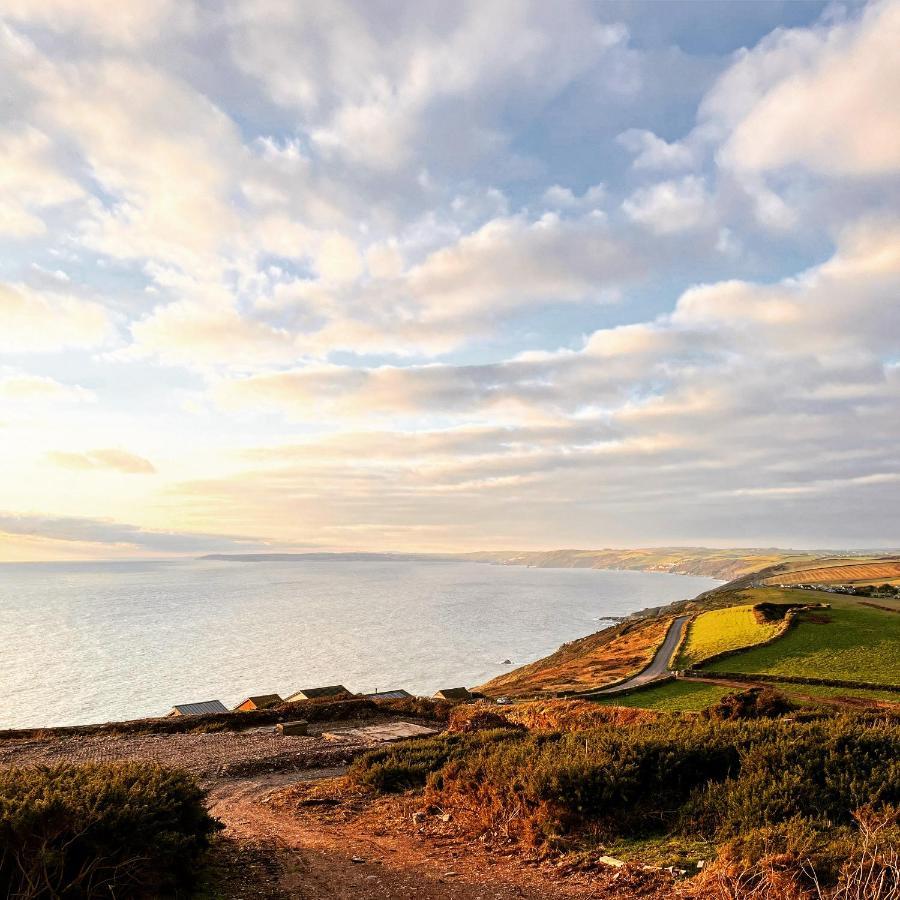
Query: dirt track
[{"x": 353, "y": 858}]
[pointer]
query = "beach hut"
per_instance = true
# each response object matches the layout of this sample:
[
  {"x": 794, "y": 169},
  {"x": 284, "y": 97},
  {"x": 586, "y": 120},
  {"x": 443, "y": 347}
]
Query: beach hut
[
  {"x": 397, "y": 694},
  {"x": 317, "y": 693},
  {"x": 454, "y": 694},
  {"x": 261, "y": 701},
  {"x": 198, "y": 709}
]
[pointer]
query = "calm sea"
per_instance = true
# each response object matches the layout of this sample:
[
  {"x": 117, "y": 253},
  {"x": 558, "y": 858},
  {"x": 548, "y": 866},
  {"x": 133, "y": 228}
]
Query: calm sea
[{"x": 93, "y": 642}]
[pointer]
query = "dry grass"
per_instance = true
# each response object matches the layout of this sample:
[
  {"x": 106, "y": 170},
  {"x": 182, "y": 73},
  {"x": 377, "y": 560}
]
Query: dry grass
[
  {"x": 592, "y": 661},
  {"x": 572, "y": 715},
  {"x": 871, "y": 872}
]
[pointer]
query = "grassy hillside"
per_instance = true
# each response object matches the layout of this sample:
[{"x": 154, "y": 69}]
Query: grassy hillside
[
  {"x": 713, "y": 563},
  {"x": 851, "y": 641},
  {"x": 592, "y": 661},
  {"x": 719, "y": 630}
]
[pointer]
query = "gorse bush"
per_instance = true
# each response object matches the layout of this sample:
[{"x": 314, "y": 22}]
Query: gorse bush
[
  {"x": 123, "y": 829},
  {"x": 755, "y": 703},
  {"x": 408, "y": 765},
  {"x": 716, "y": 779}
]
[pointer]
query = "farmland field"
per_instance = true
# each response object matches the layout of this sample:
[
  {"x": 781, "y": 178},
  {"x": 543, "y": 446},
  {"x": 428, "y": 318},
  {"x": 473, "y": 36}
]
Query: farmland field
[
  {"x": 675, "y": 696},
  {"x": 731, "y": 628},
  {"x": 856, "y": 643},
  {"x": 818, "y": 690},
  {"x": 869, "y": 571}
]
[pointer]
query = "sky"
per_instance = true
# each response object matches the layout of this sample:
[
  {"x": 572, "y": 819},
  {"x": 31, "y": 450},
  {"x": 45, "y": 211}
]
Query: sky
[{"x": 447, "y": 276}]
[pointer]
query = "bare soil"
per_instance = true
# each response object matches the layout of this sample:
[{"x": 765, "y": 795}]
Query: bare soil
[
  {"x": 319, "y": 838},
  {"x": 294, "y": 828}
]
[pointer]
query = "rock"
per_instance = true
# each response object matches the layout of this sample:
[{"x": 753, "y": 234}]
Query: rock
[
  {"x": 357, "y": 859},
  {"x": 610, "y": 861},
  {"x": 507, "y": 662}
]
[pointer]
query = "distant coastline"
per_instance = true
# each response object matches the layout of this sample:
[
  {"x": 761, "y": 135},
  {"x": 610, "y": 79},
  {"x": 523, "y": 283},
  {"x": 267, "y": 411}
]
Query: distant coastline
[{"x": 717, "y": 563}]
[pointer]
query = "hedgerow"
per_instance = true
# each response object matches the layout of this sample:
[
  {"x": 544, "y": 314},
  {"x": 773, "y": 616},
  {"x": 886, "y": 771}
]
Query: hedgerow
[{"x": 123, "y": 829}]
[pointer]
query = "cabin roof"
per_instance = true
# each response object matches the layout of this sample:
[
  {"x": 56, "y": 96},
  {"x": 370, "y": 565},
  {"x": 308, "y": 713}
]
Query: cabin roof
[
  {"x": 398, "y": 694},
  {"x": 262, "y": 700},
  {"x": 198, "y": 709},
  {"x": 457, "y": 693}
]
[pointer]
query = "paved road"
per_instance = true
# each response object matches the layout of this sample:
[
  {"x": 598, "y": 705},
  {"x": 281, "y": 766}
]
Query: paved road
[{"x": 659, "y": 665}]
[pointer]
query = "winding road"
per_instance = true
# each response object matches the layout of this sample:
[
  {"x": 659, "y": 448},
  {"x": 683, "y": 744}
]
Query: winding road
[{"x": 659, "y": 665}]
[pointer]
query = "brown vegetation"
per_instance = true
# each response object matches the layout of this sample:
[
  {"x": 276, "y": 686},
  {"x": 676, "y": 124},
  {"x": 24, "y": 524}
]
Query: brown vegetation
[{"x": 593, "y": 661}]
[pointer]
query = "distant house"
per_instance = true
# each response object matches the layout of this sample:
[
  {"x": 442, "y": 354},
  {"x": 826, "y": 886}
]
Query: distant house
[
  {"x": 454, "y": 694},
  {"x": 198, "y": 709},
  {"x": 387, "y": 695},
  {"x": 262, "y": 701},
  {"x": 317, "y": 693}
]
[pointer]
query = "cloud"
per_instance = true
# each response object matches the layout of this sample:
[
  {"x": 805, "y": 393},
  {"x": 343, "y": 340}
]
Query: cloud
[
  {"x": 109, "y": 459},
  {"x": 824, "y": 99},
  {"x": 134, "y": 21},
  {"x": 652, "y": 152},
  {"x": 114, "y": 534},
  {"x": 43, "y": 322},
  {"x": 22, "y": 387},
  {"x": 671, "y": 206},
  {"x": 383, "y": 89},
  {"x": 30, "y": 181}
]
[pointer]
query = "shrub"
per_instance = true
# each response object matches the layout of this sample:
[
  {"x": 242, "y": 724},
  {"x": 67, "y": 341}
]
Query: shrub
[
  {"x": 102, "y": 829},
  {"x": 408, "y": 764},
  {"x": 469, "y": 718},
  {"x": 572, "y": 715},
  {"x": 721, "y": 779},
  {"x": 755, "y": 703},
  {"x": 420, "y": 707}
]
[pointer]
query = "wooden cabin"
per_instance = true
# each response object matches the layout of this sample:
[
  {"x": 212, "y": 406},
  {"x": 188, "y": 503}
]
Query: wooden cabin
[
  {"x": 455, "y": 695},
  {"x": 261, "y": 701},
  {"x": 396, "y": 694},
  {"x": 317, "y": 693}
]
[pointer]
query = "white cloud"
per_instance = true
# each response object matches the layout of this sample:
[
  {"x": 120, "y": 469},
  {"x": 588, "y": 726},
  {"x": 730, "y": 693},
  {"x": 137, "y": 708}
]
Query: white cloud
[
  {"x": 669, "y": 207},
  {"x": 563, "y": 198},
  {"x": 823, "y": 99},
  {"x": 29, "y": 182},
  {"x": 35, "y": 322},
  {"x": 109, "y": 459},
  {"x": 381, "y": 88},
  {"x": 132, "y": 22},
  {"x": 652, "y": 152},
  {"x": 22, "y": 387}
]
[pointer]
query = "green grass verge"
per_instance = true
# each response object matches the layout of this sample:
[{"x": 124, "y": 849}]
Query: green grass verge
[
  {"x": 718, "y": 630},
  {"x": 859, "y": 643},
  {"x": 675, "y": 696}
]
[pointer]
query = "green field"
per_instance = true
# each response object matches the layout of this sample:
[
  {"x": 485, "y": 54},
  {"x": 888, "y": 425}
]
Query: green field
[
  {"x": 731, "y": 628},
  {"x": 859, "y": 643},
  {"x": 674, "y": 696},
  {"x": 817, "y": 690}
]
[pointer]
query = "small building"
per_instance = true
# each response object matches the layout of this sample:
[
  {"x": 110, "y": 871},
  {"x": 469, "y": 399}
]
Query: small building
[
  {"x": 262, "y": 701},
  {"x": 455, "y": 695},
  {"x": 317, "y": 693},
  {"x": 397, "y": 694},
  {"x": 198, "y": 709}
]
